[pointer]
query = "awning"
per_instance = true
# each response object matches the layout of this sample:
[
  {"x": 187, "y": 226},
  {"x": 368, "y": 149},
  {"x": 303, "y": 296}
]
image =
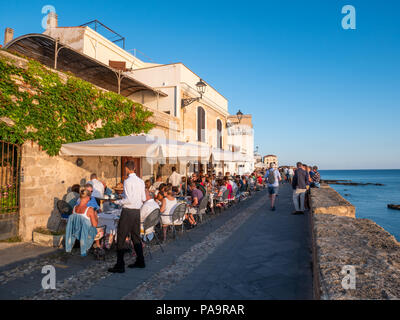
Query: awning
[
  {"x": 239, "y": 157},
  {"x": 146, "y": 146},
  {"x": 130, "y": 146},
  {"x": 195, "y": 152},
  {"x": 41, "y": 47},
  {"x": 221, "y": 155}
]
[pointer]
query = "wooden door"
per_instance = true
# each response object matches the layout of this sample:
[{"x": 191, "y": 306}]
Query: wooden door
[{"x": 138, "y": 167}]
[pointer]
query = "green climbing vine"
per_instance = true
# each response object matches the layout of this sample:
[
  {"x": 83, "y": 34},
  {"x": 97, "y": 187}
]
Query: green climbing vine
[{"x": 50, "y": 111}]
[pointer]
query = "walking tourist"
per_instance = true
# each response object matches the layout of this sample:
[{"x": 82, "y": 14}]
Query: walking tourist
[
  {"x": 299, "y": 184},
  {"x": 129, "y": 222},
  {"x": 290, "y": 174},
  {"x": 273, "y": 177}
]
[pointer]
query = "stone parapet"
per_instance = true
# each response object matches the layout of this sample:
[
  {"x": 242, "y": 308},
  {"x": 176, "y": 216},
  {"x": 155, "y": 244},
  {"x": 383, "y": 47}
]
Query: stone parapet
[
  {"x": 341, "y": 241},
  {"x": 325, "y": 200}
]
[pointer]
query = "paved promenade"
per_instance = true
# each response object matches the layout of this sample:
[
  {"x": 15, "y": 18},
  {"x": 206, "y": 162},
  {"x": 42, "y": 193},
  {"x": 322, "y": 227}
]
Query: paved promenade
[{"x": 247, "y": 252}]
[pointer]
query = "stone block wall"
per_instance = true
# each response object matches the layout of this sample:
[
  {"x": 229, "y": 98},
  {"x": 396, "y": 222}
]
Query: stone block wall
[
  {"x": 47, "y": 179},
  {"x": 339, "y": 241},
  {"x": 327, "y": 201}
]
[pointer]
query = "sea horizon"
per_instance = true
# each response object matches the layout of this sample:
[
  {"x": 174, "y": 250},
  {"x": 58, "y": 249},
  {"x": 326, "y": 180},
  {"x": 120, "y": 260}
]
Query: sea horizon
[{"x": 371, "y": 200}]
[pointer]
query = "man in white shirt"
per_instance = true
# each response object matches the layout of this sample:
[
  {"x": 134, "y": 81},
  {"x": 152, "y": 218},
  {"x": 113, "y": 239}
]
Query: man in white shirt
[
  {"x": 129, "y": 222},
  {"x": 175, "y": 178},
  {"x": 98, "y": 186}
]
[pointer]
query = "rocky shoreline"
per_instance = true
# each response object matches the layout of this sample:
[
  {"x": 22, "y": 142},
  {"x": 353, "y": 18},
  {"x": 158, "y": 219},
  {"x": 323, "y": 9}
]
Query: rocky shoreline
[{"x": 351, "y": 183}]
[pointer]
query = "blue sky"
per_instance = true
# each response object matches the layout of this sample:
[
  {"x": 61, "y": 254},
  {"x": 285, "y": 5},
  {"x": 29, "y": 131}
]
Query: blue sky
[{"x": 318, "y": 93}]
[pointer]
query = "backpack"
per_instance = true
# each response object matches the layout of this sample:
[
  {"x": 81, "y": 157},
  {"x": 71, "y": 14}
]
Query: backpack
[{"x": 271, "y": 177}]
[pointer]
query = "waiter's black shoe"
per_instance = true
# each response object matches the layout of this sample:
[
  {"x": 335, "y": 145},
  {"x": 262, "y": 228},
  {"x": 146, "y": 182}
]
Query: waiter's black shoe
[
  {"x": 139, "y": 257},
  {"x": 137, "y": 264},
  {"x": 117, "y": 269},
  {"x": 120, "y": 265}
]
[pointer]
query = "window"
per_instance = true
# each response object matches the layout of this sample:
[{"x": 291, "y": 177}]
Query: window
[
  {"x": 219, "y": 134},
  {"x": 201, "y": 124}
]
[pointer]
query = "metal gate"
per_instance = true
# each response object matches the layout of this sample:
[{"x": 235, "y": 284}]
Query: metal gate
[{"x": 9, "y": 189}]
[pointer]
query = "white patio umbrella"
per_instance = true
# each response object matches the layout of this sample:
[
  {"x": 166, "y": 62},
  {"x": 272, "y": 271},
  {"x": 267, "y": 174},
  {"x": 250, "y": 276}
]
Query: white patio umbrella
[{"x": 130, "y": 146}]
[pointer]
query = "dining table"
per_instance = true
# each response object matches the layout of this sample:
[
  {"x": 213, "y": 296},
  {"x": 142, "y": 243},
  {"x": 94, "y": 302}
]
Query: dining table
[{"x": 110, "y": 219}]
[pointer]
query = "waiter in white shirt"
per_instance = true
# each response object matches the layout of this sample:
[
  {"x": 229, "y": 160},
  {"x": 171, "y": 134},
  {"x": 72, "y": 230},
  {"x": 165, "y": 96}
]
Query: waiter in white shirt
[
  {"x": 175, "y": 178},
  {"x": 129, "y": 222}
]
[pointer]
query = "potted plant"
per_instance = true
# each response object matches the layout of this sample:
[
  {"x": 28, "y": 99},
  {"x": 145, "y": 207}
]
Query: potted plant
[{"x": 48, "y": 238}]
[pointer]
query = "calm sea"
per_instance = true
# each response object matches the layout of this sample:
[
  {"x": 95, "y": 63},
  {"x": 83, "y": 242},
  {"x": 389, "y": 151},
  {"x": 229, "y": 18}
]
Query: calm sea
[{"x": 371, "y": 201}]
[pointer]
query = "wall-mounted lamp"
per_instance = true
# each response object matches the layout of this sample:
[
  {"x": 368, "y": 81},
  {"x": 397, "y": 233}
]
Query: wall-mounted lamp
[
  {"x": 239, "y": 115},
  {"x": 201, "y": 89}
]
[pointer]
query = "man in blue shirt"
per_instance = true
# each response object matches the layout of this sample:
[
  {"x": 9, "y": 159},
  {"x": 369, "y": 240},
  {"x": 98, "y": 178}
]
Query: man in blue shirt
[{"x": 272, "y": 176}]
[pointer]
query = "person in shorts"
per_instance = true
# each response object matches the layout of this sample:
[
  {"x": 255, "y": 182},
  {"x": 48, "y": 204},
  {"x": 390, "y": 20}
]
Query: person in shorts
[{"x": 273, "y": 177}]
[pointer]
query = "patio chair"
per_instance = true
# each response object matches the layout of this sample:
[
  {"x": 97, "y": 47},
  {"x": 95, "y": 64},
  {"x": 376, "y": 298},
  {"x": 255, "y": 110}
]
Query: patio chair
[
  {"x": 223, "y": 200},
  {"x": 201, "y": 209},
  {"x": 151, "y": 221},
  {"x": 177, "y": 217},
  {"x": 65, "y": 211},
  {"x": 99, "y": 253}
]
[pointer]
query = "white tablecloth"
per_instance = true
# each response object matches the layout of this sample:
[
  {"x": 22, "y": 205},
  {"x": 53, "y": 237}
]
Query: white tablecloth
[{"x": 110, "y": 220}]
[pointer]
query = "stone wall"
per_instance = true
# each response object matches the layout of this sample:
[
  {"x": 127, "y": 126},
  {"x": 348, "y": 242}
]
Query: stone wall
[
  {"x": 340, "y": 240},
  {"x": 326, "y": 200},
  {"x": 361, "y": 243},
  {"x": 47, "y": 179}
]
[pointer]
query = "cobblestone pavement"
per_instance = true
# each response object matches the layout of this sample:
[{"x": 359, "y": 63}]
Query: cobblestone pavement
[{"x": 246, "y": 252}]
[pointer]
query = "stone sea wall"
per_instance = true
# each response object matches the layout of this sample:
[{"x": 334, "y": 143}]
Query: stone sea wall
[{"x": 341, "y": 242}]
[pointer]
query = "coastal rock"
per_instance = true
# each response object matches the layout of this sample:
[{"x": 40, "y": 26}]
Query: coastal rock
[
  {"x": 394, "y": 206},
  {"x": 351, "y": 183}
]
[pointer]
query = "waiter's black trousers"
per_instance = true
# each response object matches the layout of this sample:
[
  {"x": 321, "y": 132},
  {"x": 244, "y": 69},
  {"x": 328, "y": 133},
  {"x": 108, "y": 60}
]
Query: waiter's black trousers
[{"x": 129, "y": 224}]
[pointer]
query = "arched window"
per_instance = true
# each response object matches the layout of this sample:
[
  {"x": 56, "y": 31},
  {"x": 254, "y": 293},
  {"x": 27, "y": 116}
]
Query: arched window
[
  {"x": 219, "y": 134},
  {"x": 201, "y": 124}
]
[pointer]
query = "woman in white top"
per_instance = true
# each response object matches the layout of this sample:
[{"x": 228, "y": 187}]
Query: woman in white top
[
  {"x": 168, "y": 203},
  {"x": 88, "y": 212},
  {"x": 148, "y": 207}
]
